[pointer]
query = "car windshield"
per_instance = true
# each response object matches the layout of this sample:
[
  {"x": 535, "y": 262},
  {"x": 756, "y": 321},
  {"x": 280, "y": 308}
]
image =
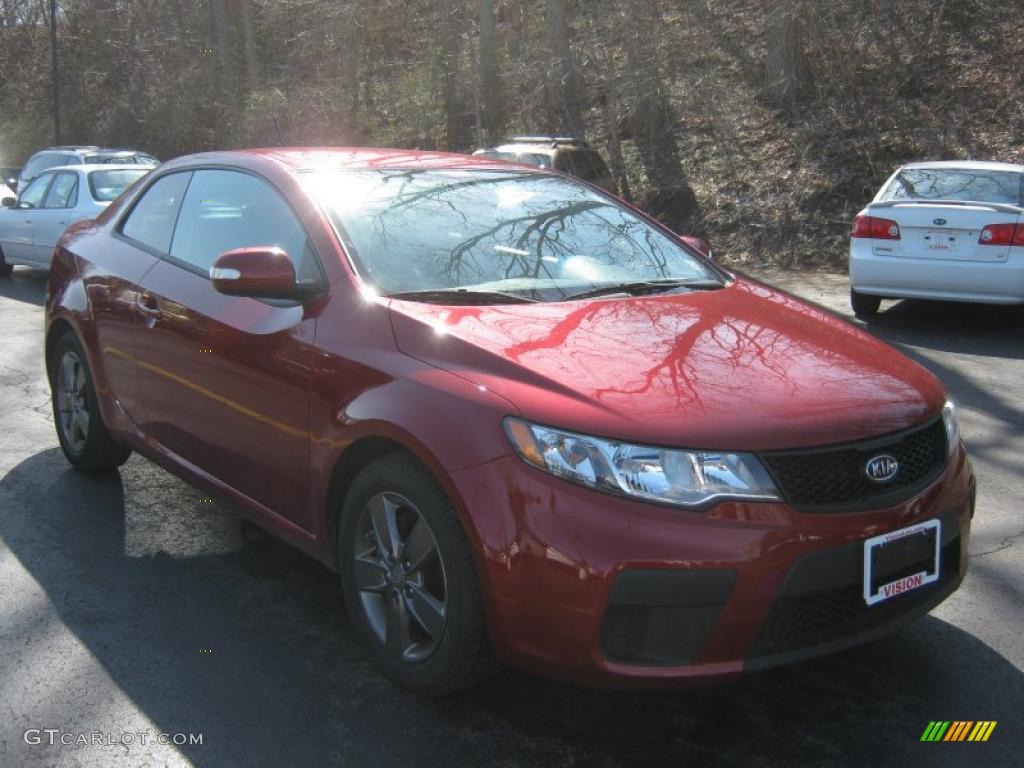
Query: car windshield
[
  {"x": 517, "y": 233},
  {"x": 39, "y": 163},
  {"x": 963, "y": 184},
  {"x": 108, "y": 185}
]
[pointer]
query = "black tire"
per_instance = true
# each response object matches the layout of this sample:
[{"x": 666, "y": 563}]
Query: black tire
[
  {"x": 93, "y": 448},
  {"x": 5, "y": 268},
  {"x": 461, "y": 655},
  {"x": 863, "y": 304}
]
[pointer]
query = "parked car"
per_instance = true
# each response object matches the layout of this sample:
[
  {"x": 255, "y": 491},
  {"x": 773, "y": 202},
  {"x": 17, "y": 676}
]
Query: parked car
[
  {"x": 946, "y": 230},
  {"x": 5, "y": 190},
  {"x": 569, "y": 155},
  {"x": 526, "y": 423},
  {"x": 79, "y": 155},
  {"x": 31, "y": 224}
]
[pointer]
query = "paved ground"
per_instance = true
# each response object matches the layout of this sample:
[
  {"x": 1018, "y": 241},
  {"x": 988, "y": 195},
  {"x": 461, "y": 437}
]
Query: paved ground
[{"x": 130, "y": 606}]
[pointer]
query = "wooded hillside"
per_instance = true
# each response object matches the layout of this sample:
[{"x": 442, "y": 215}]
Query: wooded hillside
[{"x": 762, "y": 124}]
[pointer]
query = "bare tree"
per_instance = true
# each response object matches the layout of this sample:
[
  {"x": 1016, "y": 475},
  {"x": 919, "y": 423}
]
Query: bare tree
[
  {"x": 450, "y": 29},
  {"x": 564, "y": 89},
  {"x": 786, "y": 70},
  {"x": 249, "y": 44},
  {"x": 490, "y": 98}
]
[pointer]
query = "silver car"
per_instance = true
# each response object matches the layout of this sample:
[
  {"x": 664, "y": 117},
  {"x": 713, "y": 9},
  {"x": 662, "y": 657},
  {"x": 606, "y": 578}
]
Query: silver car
[
  {"x": 51, "y": 157},
  {"x": 32, "y": 222}
]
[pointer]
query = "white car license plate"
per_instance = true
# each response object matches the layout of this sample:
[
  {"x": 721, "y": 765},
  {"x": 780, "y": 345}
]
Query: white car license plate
[
  {"x": 900, "y": 561},
  {"x": 939, "y": 240}
]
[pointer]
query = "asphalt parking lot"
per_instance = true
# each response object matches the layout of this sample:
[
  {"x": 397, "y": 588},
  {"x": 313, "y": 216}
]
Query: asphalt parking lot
[{"x": 129, "y": 604}]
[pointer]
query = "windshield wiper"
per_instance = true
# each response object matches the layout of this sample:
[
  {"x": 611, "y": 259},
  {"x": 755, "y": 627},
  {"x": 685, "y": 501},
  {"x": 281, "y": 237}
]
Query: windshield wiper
[
  {"x": 644, "y": 287},
  {"x": 461, "y": 296}
]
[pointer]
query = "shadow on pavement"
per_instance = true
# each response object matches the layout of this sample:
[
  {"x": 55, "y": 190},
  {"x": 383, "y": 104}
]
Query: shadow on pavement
[
  {"x": 27, "y": 285},
  {"x": 287, "y": 684},
  {"x": 947, "y": 326}
]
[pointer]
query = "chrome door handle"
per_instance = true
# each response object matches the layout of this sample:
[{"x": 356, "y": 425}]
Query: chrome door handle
[{"x": 148, "y": 307}]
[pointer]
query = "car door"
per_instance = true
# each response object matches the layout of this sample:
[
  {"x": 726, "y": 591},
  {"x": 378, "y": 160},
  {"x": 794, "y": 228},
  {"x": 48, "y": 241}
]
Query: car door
[
  {"x": 225, "y": 381},
  {"x": 140, "y": 240},
  {"x": 18, "y": 223},
  {"x": 55, "y": 215}
]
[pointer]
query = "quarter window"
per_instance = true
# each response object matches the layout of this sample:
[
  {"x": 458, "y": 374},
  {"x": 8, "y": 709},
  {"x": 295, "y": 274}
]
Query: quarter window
[
  {"x": 63, "y": 192},
  {"x": 224, "y": 210},
  {"x": 151, "y": 221}
]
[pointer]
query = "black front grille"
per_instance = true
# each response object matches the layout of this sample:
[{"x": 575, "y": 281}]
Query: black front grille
[
  {"x": 807, "y": 619},
  {"x": 833, "y": 479}
]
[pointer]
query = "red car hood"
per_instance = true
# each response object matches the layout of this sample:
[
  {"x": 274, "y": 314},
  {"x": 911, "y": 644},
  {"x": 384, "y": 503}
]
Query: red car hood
[{"x": 743, "y": 368}]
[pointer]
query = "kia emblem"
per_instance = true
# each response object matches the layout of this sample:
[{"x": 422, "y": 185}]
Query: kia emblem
[
  {"x": 882, "y": 468},
  {"x": 939, "y": 222}
]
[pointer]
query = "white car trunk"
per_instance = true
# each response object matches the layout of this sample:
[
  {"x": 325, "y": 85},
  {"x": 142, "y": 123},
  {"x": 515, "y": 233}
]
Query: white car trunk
[{"x": 943, "y": 230}]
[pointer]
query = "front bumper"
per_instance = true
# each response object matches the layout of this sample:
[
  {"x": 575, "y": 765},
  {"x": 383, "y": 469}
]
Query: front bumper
[{"x": 606, "y": 591}]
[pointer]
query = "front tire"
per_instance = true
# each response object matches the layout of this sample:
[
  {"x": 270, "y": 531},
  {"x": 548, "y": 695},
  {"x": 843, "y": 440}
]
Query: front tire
[
  {"x": 84, "y": 438},
  {"x": 864, "y": 305},
  {"x": 409, "y": 579},
  {"x": 5, "y": 268}
]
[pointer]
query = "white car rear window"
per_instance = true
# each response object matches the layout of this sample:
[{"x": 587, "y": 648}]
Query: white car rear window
[{"x": 966, "y": 184}]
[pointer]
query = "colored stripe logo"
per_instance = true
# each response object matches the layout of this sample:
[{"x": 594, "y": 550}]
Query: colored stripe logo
[{"x": 958, "y": 730}]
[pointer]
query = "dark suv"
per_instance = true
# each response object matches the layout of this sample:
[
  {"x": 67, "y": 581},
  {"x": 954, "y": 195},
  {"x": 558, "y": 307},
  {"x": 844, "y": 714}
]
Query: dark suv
[{"x": 570, "y": 155}]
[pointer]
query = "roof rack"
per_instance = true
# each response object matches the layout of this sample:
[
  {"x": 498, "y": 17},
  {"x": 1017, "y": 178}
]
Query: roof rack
[{"x": 552, "y": 140}]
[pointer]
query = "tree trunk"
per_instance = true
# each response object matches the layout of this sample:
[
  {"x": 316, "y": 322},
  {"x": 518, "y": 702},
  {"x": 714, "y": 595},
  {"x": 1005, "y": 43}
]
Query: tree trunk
[
  {"x": 786, "y": 72},
  {"x": 450, "y": 29},
  {"x": 221, "y": 45},
  {"x": 564, "y": 91},
  {"x": 491, "y": 100},
  {"x": 252, "y": 75},
  {"x": 652, "y": 122}
]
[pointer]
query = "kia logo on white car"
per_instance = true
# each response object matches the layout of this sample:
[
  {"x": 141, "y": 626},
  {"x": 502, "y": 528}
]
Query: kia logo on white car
[
  {"x": 940, "y": 222},
  {"x": 881, "y": 469}
]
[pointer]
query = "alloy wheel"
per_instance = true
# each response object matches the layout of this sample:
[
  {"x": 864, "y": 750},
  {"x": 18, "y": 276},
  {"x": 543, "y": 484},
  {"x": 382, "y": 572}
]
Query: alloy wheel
[
  {"x": 72, "y": 401},
  {"x": 400, "y": 576}
]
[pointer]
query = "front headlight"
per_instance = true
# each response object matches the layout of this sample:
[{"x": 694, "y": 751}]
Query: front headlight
[
  {"x": 669, "y": 476},
  {"x": 952, "y": 423}
]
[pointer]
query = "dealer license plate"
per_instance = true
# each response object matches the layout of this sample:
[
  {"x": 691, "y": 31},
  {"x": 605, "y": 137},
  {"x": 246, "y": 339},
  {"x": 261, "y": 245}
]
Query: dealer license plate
[{"x": 900, "y": 561}]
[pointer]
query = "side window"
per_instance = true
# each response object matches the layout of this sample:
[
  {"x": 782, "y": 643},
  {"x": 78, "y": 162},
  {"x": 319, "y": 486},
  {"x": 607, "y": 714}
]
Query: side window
[
  {"x": 32, "y": 195},
  {"x": 563, "y": 163},
  {"x": 229, "y": 209},
  {"x": 600, "y": 168},
  {"x": 151, "y": 221},
  {"x": 63, "y": 189}
]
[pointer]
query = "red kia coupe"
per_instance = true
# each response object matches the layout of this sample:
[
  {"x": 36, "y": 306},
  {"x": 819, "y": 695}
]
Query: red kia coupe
[{"x": 525, "y": 423}]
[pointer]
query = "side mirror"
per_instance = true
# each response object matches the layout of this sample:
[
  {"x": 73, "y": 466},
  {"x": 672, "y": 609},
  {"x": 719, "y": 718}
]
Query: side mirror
[
  {"x": 699, "y": 244},
  {"x": 9, "y": 202},
  {"x": 261, "y": 272}
]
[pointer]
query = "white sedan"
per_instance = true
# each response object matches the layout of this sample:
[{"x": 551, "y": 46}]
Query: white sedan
[
  {"x": 946, "y": 230},
  {"x": 32, "y": 222}
]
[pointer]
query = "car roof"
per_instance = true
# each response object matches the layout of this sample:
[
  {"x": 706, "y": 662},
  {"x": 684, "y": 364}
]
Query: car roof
[
  {"x": 979, "y": 165},
  {"x": 68, "y": 148},
  {"x": 105, "y": 151},
  {"x": 87, "y": 167},
  {"x": 353, "y": 158}
]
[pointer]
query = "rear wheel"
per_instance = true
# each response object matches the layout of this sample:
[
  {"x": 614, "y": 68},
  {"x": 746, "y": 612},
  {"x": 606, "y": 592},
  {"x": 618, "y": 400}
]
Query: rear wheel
[
  {"x": 863, "y": 304},
  {"x": 83, "y": 436},
  {"x": 409, "y": 579},
  {"x": 5, "y": 268}
]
